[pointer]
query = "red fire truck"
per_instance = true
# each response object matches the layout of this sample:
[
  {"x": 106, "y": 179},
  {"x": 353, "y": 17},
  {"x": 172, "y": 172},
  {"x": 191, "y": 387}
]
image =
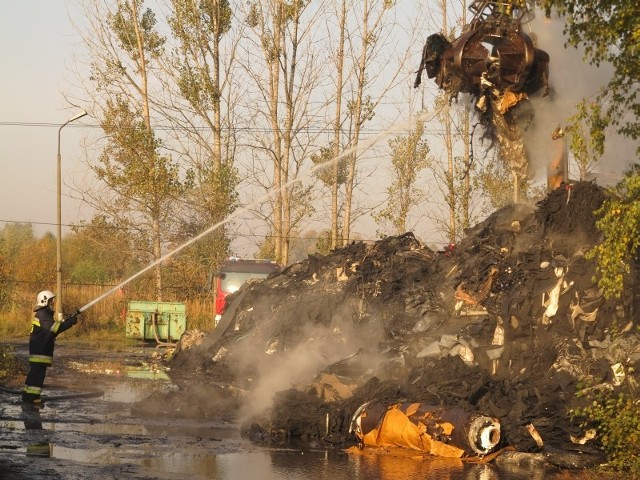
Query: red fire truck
[{"x": 234, "y": 272}]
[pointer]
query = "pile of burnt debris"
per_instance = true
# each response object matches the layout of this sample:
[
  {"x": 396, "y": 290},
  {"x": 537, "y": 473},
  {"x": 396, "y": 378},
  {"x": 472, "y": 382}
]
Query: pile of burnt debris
[{"x": 508, "y": 323}]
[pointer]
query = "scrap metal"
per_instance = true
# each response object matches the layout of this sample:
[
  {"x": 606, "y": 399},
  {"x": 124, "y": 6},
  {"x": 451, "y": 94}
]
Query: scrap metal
[
  {"x": 498, "y": 64},
  {"x": 441, "y": 431}
]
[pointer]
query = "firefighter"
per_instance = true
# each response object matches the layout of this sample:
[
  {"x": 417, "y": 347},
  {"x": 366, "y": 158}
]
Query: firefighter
[{"x": 44, "y": 330}]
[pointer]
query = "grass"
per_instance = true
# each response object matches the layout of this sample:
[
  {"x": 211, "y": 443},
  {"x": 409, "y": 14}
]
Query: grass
[
  {"x": 17, "y": 326},
  {"x": 596, "y": 474},
  {"x": 9, "y": 365}
]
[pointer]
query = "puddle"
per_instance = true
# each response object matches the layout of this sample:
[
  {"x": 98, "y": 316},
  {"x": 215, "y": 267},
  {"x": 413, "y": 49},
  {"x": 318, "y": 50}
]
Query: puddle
[
  {"x": 150, "y": 457},
  {"x": 144, "y": 370},
  {"x": 126, "y": 392},
  {"x": 147, "y": 373}
]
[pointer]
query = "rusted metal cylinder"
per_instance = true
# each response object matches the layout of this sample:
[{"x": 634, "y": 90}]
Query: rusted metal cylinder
[{"x": 441, "y": 431}]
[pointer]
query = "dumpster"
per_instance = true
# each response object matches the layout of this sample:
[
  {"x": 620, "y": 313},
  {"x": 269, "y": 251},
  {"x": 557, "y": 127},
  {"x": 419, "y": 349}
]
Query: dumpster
[{"x": 160, "y": 321}]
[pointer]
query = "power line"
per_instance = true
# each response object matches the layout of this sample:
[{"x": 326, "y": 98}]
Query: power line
[
  {"x": 246, "y": 235},
  {"x": 70, "y": 225},
  {"x": 365, "y": 131}
]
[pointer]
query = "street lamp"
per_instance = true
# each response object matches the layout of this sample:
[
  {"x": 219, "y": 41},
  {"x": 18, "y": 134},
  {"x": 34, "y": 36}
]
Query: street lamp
[{"x": 59, "y": 224}]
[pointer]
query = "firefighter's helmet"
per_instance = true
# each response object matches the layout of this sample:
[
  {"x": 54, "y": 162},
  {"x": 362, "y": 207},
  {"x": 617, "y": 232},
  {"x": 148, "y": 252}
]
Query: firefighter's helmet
[{"x": 43, "y": 298}]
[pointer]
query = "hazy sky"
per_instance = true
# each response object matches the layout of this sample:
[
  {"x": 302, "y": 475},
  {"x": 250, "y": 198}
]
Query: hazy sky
[
  {"x": 37, "y": 40},
  {"x": 38, "y": 45}
]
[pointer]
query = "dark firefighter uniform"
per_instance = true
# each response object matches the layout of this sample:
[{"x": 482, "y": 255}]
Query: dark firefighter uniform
[{"x": 44, "y": 330}]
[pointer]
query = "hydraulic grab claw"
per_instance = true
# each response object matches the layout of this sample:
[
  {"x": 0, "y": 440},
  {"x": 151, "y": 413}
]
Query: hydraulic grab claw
[{"x": 492, "y": 56}]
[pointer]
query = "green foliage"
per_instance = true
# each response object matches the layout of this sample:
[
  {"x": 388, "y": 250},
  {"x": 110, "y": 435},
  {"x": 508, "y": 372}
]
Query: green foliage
[
  {"x": 610, "y": 32},
  {"x": 213, "y": 201},
  {"x": 300, "y": 197},
  {"x": 326, "y": 173},
  {"x": 409, "y": 156},
  {"x": 199, "y": 26},
  {"x": 131, "y": 164},
  {"x": 193, "y": 20},
  {"x": 619, "y": 222},
  {"x": 283, "y": 15},
  {"x": 88, "y": 271},
  {"x": 9, "y": 365},
  {"x": 267, "y": 249},
  {"x": 102, "y": 251},
  {"x": 217, "y": 15},
  {"x": 124, "y": 24},
  {"x": 144, "y": 183},
  {"x": 367, "y": 108},
  {"x": 586, "y": 132},
  {"x": 616, "y": 418},
  {"x": 496, "y": 181}
]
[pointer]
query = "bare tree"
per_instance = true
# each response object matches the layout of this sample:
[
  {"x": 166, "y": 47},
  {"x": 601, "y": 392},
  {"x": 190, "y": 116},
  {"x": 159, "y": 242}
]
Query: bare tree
[
  {"x": 410, "y": 155},
  {"x": 200, "y": 102},
  {"x": 140, "y": 181},
  {"x": 361, "y": 108},
  {"x": 284, "y": 77},
  {"x": 338, "y": 167},
  {"x": 455, "y": 174}
]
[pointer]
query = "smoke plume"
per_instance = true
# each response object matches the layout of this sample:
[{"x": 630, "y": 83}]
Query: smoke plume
[{"x": 571, "y": 79}]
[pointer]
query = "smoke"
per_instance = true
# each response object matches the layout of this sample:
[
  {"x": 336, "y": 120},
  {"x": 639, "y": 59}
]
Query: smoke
[
  {"x": 289, "y": 367},
  {"x": 571, "y": 80}
]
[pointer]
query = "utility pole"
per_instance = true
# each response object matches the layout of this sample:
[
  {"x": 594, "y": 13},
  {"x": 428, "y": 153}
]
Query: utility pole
[{"x": 59, "y": 222}]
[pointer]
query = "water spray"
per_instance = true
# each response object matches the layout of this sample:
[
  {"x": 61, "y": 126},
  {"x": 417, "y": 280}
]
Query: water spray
[{"x": 395, "y": 128}]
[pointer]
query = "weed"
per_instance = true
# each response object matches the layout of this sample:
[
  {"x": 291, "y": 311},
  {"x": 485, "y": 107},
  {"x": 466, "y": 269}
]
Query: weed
[
  {"x": 9, "y": 365},
  {"x": 616, "y": 417}
]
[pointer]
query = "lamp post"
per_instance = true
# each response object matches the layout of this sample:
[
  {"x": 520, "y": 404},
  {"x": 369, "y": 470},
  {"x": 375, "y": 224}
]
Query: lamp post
[{"x": 59, "y": 223}]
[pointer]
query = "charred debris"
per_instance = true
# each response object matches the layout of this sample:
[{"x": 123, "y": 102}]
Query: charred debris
[{"x": 508, "y": 324}]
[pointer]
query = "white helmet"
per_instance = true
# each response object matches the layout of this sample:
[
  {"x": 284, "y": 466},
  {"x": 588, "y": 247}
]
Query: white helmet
[{"x": 43, "y": 298}]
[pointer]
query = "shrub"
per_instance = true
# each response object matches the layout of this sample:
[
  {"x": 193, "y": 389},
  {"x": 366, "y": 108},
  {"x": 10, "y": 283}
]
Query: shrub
[
  {"x": 9, "y": 365},
  {"x": 616, "y": 417}
]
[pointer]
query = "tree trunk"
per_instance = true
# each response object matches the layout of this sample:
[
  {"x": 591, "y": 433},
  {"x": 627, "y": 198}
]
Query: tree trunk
[
  {"x": 337, "y": 127},
  {"x": 274, "y": 86},
  {"x": 157, "y": 233},
  {"x": 362, "y": 63}
]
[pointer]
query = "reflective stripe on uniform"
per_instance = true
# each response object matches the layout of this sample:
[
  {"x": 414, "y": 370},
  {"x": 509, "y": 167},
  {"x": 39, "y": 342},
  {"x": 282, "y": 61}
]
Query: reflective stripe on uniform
[
  {"x": 35, "y": 323},
  {"x": 33, "y": 390},
  {"x": 55, "y": 327},
  {"x": 41, "y": 359}
]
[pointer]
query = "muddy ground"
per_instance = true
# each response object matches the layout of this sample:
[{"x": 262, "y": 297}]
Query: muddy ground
[
  {"x": 88, "y": 429},
  {"x": 509, "y": 322},
  {"x": 99, "y": 424}
]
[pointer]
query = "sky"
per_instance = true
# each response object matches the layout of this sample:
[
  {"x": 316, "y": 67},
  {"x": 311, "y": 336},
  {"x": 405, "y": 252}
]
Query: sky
[
  {"x": 38, "y": 45},
  {"x": 36, "y": 39}
]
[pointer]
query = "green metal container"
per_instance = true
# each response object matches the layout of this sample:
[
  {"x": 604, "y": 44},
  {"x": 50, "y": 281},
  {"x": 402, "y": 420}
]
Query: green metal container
[{"x": 162, "y": 321}]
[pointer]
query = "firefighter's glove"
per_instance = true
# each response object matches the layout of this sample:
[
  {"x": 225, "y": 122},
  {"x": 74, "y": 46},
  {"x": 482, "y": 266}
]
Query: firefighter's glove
[{"x": 73, "y": 318}]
